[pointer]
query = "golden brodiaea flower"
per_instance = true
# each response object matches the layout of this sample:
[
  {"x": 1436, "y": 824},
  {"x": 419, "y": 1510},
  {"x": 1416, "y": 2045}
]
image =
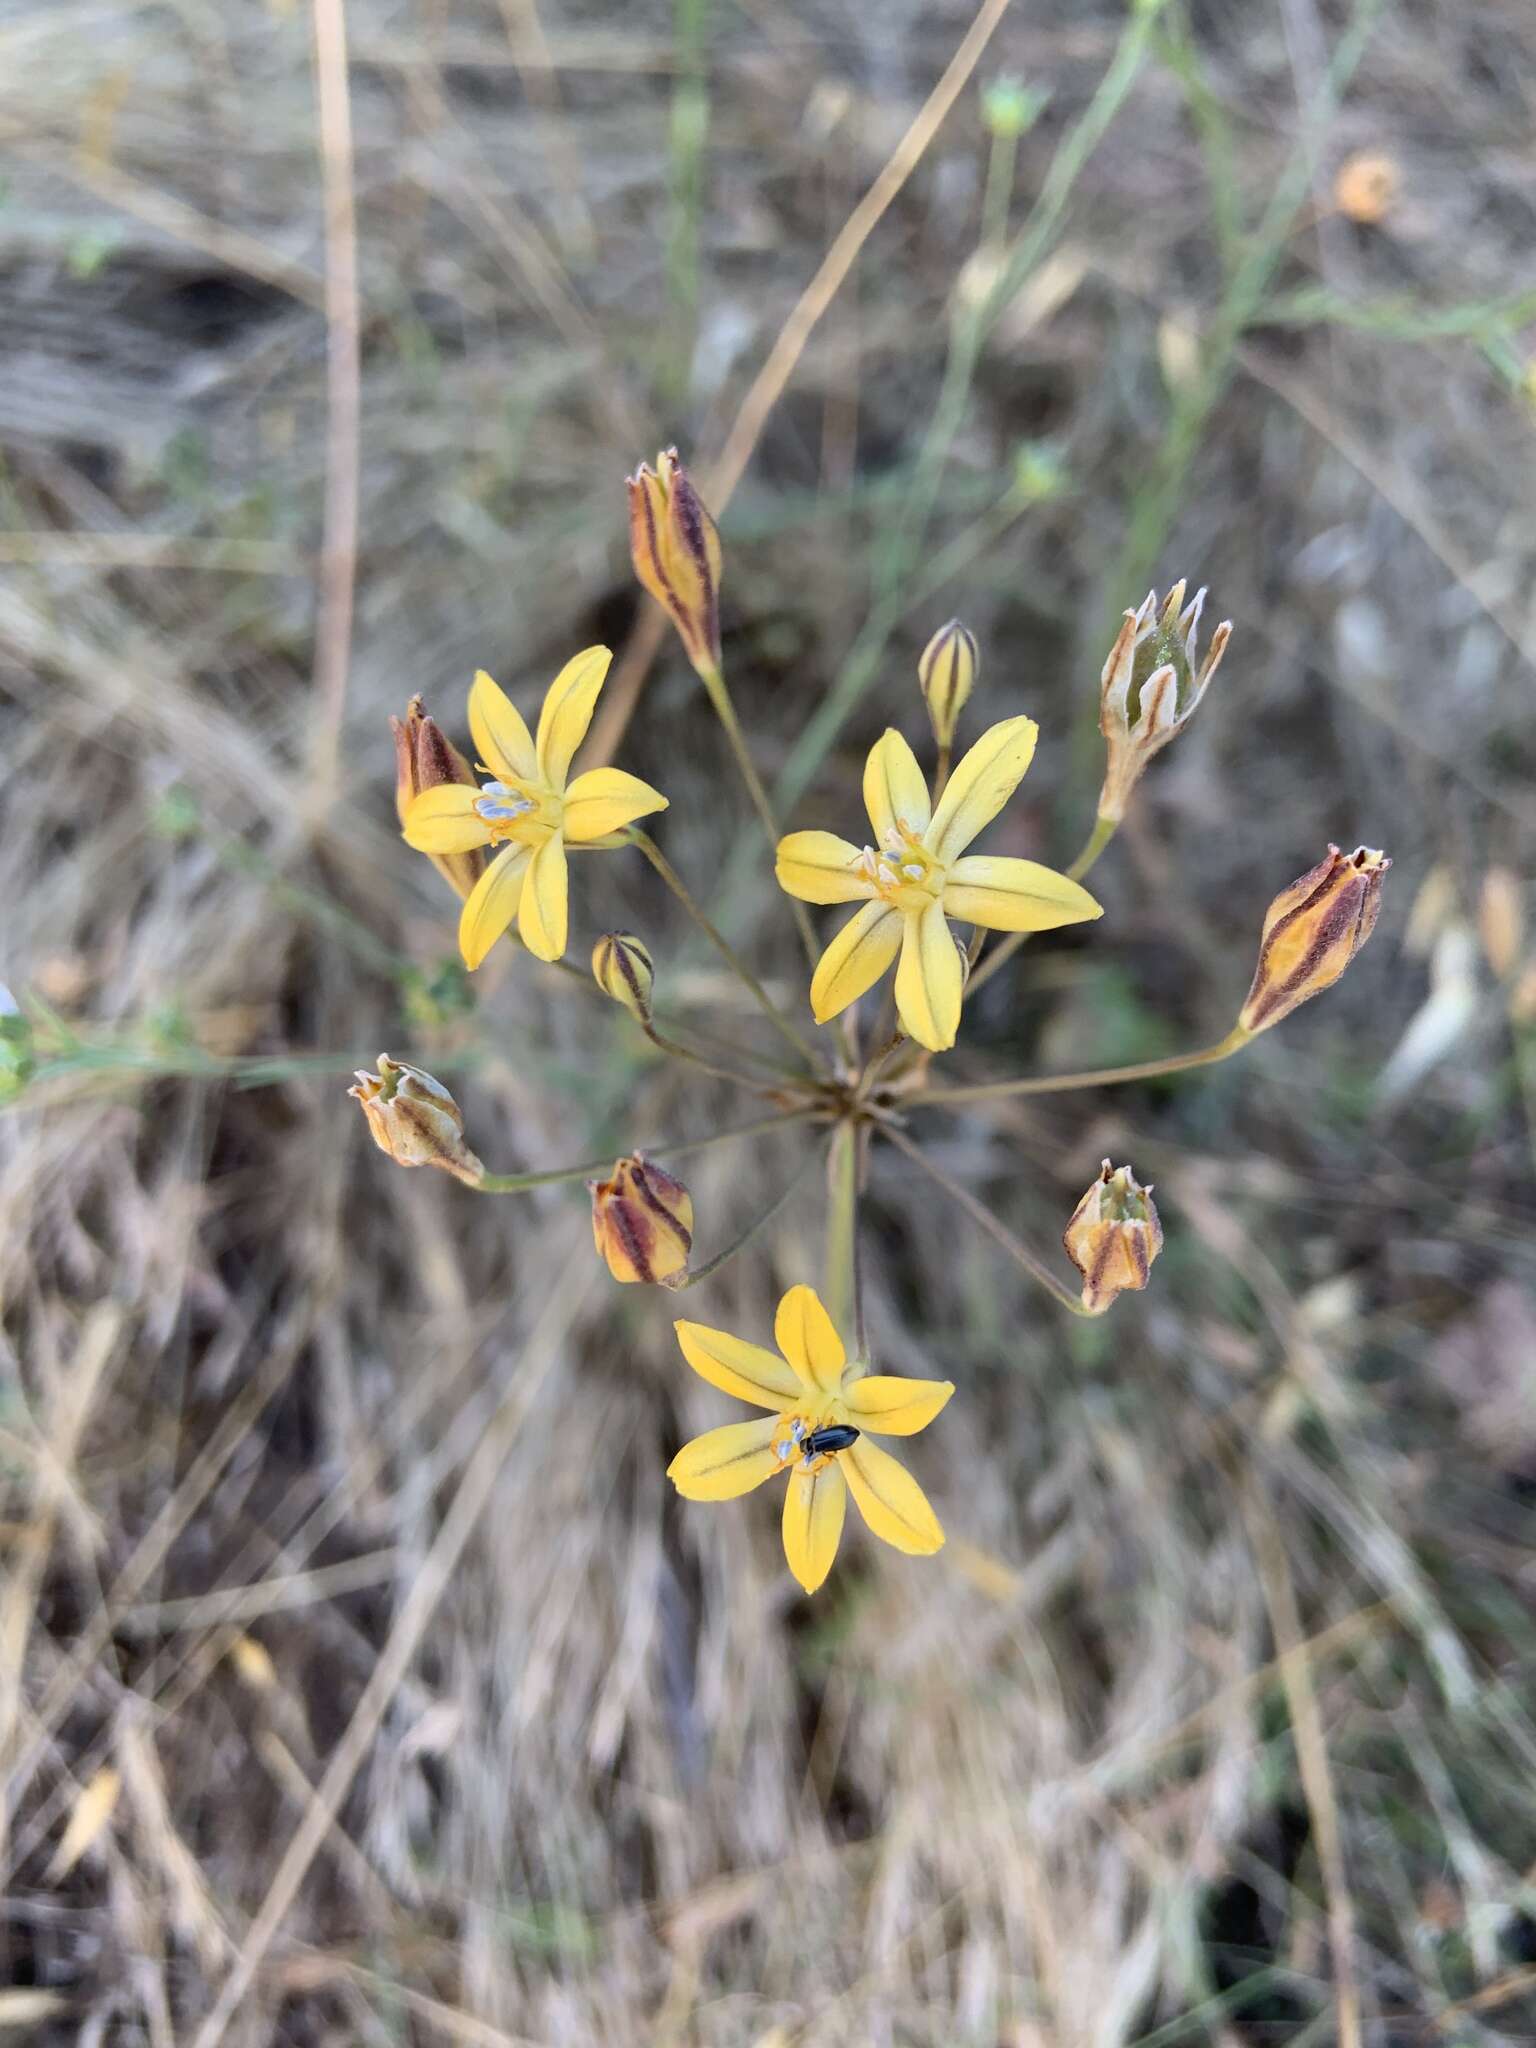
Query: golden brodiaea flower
[
  {"x": 824, "y": 1413},
  {"x": 917, "y": 876},
  {"x": 530, "y": 809}
]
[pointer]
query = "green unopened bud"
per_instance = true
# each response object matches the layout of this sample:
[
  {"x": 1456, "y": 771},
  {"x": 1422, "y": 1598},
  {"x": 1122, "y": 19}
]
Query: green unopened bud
[
  {"x": 623, "y": 970},
  {"x": 1010, "y": 108},
  {"x": 946, "y": 674}
]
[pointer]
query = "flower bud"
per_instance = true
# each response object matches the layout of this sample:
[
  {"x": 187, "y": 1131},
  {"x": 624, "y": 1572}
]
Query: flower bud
[
  {"x": 1113, "y": 1237},
  {"x": 676, "y": 551},
  {"x": 622, "y": 969},
  {"x": 642, "y": 1223},
  {"x": 946, "y": 674},
  {"x": 425, "y": 757},
  {"x": 1311, "y": 933},
  {"x": 1150, "y": 687},
  {"x": 414, "y": 1119}
]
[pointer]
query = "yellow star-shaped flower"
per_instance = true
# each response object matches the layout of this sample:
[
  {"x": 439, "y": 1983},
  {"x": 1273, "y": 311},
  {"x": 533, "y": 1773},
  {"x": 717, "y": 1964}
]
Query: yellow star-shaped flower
[
  {"x": 917, "y": 876},
  {"x": 529, "y": 808},
  {"x": 824, "y": 1414}
]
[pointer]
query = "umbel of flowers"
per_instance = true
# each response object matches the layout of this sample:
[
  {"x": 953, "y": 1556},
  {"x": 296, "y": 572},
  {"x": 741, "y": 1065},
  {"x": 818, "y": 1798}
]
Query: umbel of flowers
[{"x": 497, "y": 828}]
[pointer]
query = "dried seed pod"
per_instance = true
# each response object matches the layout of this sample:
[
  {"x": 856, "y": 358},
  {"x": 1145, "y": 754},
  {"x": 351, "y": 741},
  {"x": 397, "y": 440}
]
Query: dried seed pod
[
  {"x": 1113, "y": 1237},
  {"x": 1151, "y": 686},
  {"x": 414, "y": 1119}
]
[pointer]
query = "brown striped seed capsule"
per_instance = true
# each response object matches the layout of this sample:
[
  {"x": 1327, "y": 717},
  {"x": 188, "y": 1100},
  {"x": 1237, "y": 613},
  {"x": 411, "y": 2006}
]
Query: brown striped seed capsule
[
  {"x": 414, "y": 1119},
  {"x": 1311, "y": 933},
  {"x": 424, "y": 758},
  {"x": 1151, "y": 686},
  {"x": 1113, "y": 1237},
  {"x": 623, "y": 970},
  {"x": 675, "y": 547},
  {"x": 642, "y": 1223},
  {"x": 946, "y": 673}
]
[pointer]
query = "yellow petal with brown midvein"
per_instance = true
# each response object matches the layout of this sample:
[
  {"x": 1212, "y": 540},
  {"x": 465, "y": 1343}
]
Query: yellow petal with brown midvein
[
  {"x": 815, "y": 1504},
  {"x": 895, "y": 792},
  {"x": 492, "y": 904},
  {"x": 605, "y": 800},
  {"x": 890, "y": 1500},
  {"x": 544, "y": 911},
  {"x": 885, "y": 1405},
  {"x": 1015, "y": 895},
  {"x": 929, "y": 980},
  {"x": 444, "y": 820},
  {"x": 725, "y": 1463},
  {"x": 567, "y": 712},
  {"x": 985, "y": 777},
  {"x": 500, "y": 732},
  {"x": 736, "y": 1367},
  {"x": 818, "y": 867},
  {"x": 857, "y": 957},
  {"x": 806, "y": 1335}
]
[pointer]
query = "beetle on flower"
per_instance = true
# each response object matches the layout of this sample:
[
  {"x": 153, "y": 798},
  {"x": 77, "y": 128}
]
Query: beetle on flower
[
  {"x": 917, "y": 876},
  {"x": 529, "y": 808},
  {"x": 824, "y": 1412}
]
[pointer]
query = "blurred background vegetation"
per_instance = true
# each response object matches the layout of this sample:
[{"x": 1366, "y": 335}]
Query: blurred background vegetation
[{"x": 356, "y": 1664}]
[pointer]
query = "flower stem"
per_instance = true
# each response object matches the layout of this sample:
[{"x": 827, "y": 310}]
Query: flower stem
[
  {"x": 515, "y": 1183},
  {"x": 981, "y": 1215},
  {"x": 760, "y": 1223},
  {"x": 842, "y": 1292},
  {"x": 1101, "y": 1077},
  {"x": 720, "y": 697},
  {"x": 670, "y": 1046},
  {"x": 1103, "y": 831},
  {"x": 722, "y": 946},
  {"x": 940, "y": 773}
]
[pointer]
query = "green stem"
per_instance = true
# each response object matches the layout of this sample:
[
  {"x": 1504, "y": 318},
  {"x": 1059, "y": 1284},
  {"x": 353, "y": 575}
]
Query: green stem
[
  {"x": 842, "y": 1290},
  {"x": 675, "y": 1051},
  {"x": 982, "y": 1216},
  {"x": 722, "y": 946},
  {"x": 515, "y": 1183},
  {"x": 761, "y": 1223},
  {"x": 720, "y": 697},
  {"x": 1104, "y": 830},
  {"x": 1101, "y": 1077}
]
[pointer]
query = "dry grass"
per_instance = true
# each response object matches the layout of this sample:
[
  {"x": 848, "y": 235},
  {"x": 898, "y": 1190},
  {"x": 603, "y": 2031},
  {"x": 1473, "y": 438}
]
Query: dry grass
[{"x": 360, "y": 1678}]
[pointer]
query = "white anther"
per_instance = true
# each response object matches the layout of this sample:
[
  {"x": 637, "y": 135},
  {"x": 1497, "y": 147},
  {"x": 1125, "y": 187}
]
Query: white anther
[{"x": 497, "y": 803}]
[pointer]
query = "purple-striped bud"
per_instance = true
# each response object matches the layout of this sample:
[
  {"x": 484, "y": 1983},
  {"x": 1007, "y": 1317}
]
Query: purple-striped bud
[
  {"x": 675, "y": 546},
  {"x": 623, "y": 970},
  {"x": 946, "y": 673},
  {"x": 642, "y": 1223},
  {"x": 1311, "y": 933}
]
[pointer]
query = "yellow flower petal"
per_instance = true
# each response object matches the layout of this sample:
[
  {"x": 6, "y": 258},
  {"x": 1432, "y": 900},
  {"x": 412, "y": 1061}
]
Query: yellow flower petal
[
  {"x": 895, "y": 793},
  {"x": 723, "y": 1464},
  {"x": 818, "y": 867},
  {"x": 542, "y": 914},
  {"x": 804, "y": 1332},
  {"x": 736, "y": 1367},
  {"x": 444, "y": 820},
  {"x": 502, "y": 739},
  {"x": 814, "y": 1506},
  {"x": 984, "y": 779},
  {"x": 492, "y": 904},
  {"x": 929, "y": 980},
  {"x": 884, "y": 1405},
  {"x": 855, "y": 960},
  {"x": 890, "y": 1500},
  {"x": 603, "y": 800},
  {"x": 1015, "y": 895},
  {"x": 567, "y": 712}
]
